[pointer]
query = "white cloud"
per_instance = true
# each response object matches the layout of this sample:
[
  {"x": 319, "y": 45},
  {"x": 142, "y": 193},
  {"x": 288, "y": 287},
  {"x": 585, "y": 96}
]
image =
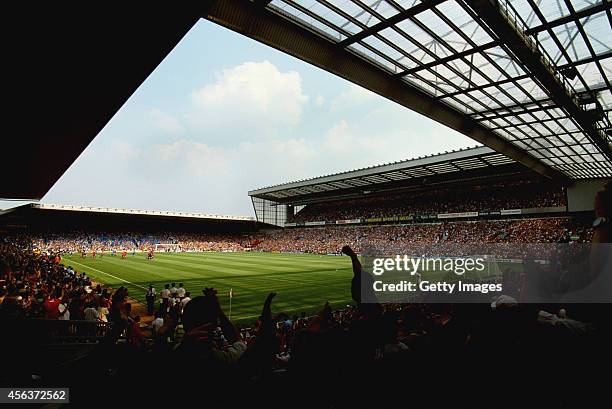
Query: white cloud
[
  {"x": 126, "y": 151},
  {"x": 185, "y": 157},
  {"x": 166, "y": 123},
  {"x": 244, "y": 131},
  {"x": 352, "y": 97},
  {"x": 253, "y": 97}
]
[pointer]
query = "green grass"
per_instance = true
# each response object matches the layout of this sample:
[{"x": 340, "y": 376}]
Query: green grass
[{"x": 303, "y": 282}]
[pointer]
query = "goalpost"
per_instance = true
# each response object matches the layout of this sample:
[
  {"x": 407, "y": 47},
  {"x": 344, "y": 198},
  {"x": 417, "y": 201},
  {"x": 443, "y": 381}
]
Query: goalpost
[{"x": 165, "y": 248}]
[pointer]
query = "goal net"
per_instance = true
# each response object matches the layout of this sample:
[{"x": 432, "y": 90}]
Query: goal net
[{"x": 167, "y": 247}]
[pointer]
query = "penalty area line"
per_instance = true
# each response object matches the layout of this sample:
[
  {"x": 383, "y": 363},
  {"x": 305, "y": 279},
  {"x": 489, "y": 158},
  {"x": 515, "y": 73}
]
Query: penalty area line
[{"x": 110, "y": 275}]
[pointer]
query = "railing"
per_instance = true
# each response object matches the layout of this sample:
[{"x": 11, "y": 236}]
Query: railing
[{"x": 521, "y": 27}]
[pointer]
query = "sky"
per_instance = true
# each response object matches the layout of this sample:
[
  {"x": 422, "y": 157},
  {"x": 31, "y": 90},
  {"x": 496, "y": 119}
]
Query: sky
[{"x": 224, "y": 114}]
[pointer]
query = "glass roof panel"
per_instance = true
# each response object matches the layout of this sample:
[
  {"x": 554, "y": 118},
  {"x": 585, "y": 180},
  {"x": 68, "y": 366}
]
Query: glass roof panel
[{"x": 449, "y": 52}]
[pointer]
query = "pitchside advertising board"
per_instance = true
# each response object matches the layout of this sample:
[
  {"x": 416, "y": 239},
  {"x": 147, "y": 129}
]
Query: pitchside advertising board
[
  {"x": 407, "y": 217},
  {"x": 457, "y": 215}
]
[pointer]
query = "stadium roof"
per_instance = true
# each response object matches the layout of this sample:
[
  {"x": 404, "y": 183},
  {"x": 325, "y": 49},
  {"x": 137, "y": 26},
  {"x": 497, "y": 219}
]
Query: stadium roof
[
  {"x": 528, "y": 78},
  {"x": 464, "y": 160},
  {"x": 136, "y": 212},
  {"x": 51, "y": 217}
]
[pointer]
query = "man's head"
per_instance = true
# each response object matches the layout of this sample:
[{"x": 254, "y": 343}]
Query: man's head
[
  {"x": 181, "y": 284},
  {"x": 167, "y": 286},
  {"x": 199, "y": 311}
]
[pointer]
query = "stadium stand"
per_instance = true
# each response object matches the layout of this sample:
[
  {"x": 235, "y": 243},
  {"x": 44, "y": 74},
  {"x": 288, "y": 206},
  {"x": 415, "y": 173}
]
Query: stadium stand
[
  {"x": 282, "y": 350},
  {"x": 471, "y": 183},
  {"x": 518, "y": 195},
  {"x": 63, "y": 319}
]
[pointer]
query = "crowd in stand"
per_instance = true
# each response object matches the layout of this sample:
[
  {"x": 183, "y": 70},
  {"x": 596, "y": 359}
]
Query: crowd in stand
[
  {"x": 35, "y": 284},
  {"x": 335, "y": 358},
  {"x": 400, "y": 238},
  {"x": 327, "y": 347},
  {"x": 39, "y": 286},
  {"x": 320, "y": 240},
  {"x": 495, "y": 197},
  {"x": 77, "y": 242}
]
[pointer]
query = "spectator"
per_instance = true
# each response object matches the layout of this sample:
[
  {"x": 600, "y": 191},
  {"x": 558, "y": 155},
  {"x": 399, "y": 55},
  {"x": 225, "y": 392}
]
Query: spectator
[
  {"x": 52, "y": 305},
  {"x": 150, "y": 297}
]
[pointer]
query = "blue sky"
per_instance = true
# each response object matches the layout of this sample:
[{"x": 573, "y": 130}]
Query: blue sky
[{"x": 223, "y": 114}]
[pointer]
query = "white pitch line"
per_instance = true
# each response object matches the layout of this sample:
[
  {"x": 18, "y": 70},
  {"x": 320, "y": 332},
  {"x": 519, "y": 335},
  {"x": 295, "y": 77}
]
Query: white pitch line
[{"x": 110, "y": 275}]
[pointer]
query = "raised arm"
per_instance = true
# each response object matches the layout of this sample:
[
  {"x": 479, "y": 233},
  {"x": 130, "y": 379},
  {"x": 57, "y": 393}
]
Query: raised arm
[
  {"x": 230, "y": 331},
  {"x": 259, "y": 357},
  {"x": 357, "y": 272},
  {"x": 266, "y": 314}
]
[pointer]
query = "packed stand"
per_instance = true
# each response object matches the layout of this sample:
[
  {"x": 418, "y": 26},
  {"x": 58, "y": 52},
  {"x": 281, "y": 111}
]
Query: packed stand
[
  {"x": 402, "y": 238},
  {"x": 507, "y": 195},
  {"x": 82, "y": 242}
]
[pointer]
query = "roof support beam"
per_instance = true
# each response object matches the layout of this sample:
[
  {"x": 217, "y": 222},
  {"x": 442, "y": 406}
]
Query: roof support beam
[
  {"x": 485, "y": 86},
  {"x": 531, "y": 103},
  {"x": 287, "y": 35},
  {"x": 587, "y": 60},
  {"x": 528, "y": 53},
  {"x": 585, "y": 12},
  {"x": 449, "y": 58},
  {"x": 505, "y": 114},
  {"x": 399, "y": 17}
]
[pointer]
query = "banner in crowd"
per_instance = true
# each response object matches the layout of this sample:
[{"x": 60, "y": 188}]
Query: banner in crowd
[
  {"x": 348, "y": 221},
  {"x": 505, "y": 212},
  {"x": 457, "y": 215},
  {"x": 315, "y": 223},
  {"x": 290, "y": 224}
]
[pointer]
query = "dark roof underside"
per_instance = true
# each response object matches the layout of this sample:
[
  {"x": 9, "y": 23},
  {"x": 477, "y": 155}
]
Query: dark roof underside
[
  {"x": 469, "y": 163},
  {"x": 71, "y": 68}
]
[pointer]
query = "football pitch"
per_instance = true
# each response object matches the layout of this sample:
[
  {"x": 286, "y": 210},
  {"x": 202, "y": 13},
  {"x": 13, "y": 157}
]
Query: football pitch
[{"x": 304, "y": 282}]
